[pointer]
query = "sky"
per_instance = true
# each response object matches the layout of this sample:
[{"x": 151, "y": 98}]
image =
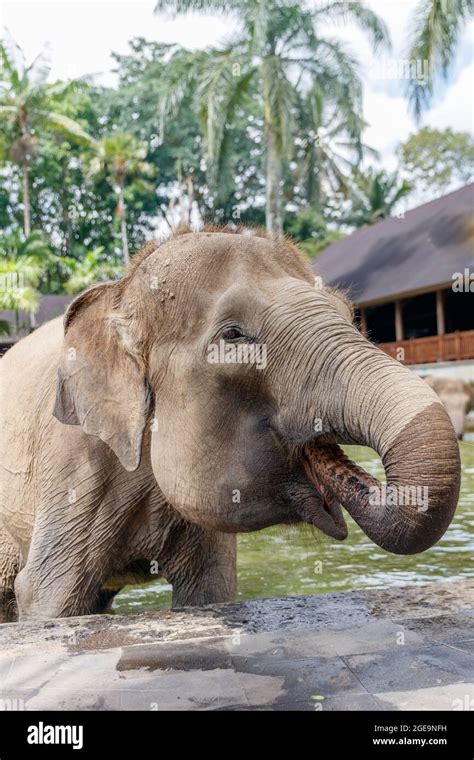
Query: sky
[{"x": 81, "y": 34}]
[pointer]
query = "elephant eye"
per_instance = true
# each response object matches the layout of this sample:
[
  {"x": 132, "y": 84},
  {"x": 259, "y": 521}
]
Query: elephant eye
[{"x": 233, "y": 333}]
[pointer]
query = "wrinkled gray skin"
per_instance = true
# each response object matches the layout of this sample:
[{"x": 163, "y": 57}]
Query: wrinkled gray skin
[
  {"x": 121, "y": 444},
  {"x": 457, "y": 396}
]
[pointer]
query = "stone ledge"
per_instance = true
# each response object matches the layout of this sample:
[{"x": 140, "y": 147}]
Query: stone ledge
[{"x": 407, "y": 647}]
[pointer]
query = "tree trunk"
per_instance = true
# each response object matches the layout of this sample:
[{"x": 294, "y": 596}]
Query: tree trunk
[
  {"x": 25, "y": 169},
  {"x": 274, "y": 217},
  {"x": 123, "y": 225},
  {"x": 190, "y": 194},
  {"x": 25, "y": 182}
]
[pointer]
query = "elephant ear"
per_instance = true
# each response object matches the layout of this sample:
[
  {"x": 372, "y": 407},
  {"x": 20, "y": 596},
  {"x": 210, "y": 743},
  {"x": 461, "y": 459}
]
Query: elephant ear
[{"x": 101, "y": 381}]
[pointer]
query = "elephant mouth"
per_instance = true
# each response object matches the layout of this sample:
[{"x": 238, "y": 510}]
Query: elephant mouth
[{"x": 322, "y": 509}]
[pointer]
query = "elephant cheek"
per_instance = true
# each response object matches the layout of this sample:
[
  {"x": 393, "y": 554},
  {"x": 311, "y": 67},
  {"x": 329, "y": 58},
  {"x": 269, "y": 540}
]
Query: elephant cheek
[{"x": 163, "y": 470}]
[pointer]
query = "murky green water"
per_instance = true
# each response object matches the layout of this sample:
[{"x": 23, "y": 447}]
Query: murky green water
[{"x": 282, "y": 561}]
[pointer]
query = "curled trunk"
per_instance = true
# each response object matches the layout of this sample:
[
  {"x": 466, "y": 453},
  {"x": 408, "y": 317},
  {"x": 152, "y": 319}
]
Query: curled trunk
[
  {"x": 415, "y": 439},
  {"x": 413, "y": 509},
  {"x": 358, "y": 395}
]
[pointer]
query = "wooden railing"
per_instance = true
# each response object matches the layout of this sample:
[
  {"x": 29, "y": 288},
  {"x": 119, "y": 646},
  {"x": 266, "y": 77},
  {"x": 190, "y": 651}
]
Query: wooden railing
[{"x": 437, "y": 348}]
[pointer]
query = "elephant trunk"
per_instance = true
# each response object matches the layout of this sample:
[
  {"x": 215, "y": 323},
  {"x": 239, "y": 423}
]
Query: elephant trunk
[
  {"x": 391, "y": 410},
  {"x": 333, "y": 385}
]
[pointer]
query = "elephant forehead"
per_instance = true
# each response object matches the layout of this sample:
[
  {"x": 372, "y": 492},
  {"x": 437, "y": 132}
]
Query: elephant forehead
[{"x": 217, "y": 256}]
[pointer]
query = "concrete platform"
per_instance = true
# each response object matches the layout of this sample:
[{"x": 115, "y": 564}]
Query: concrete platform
[{"x": 406, "y": 648}]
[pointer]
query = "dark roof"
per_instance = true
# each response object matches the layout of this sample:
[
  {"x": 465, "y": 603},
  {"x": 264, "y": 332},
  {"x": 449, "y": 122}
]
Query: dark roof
[
  {"x": 414, "y": 253},
  {"x": 49, "y": 307}
]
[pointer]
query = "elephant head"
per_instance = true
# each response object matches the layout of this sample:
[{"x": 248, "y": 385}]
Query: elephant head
[
  {"x": 457, "y": 396},
  {"x": 248, "y": 376}
]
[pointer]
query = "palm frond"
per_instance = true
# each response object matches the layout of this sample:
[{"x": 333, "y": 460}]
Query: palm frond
[
  {"x": 8, "y": 67},
  {"x": 358, "y": 13},
  {"x": 174, "y": 8},
  {"x": 70, "y": 127},
  {"x": 437, "y": 26}
]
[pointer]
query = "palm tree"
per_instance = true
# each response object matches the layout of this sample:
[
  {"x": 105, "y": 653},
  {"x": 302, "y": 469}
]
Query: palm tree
[
  {"x": 32, "y": 257},
  {"x": 37, "y": 248},
  {"x": 20, "y": 276},
  {"x": 329, "y": 148},
  {"x": 24, "y": 101},
  {"x": 14, "y": 244},
  {"x": 277, "y": 55},
  {"x": 120, "y": 156},
  {"x": 374, "y": 197},
  {"x": 91, "y": 268},
  {"x": 437, "y": 26}
]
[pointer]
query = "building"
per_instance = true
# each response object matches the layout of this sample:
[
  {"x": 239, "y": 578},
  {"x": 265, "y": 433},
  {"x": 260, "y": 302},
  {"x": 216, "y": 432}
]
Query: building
[{"x": 412, "y": 281}]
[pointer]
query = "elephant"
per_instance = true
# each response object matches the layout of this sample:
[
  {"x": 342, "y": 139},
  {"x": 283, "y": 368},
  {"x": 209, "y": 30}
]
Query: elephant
[
  {"x": 129, "y": 448},
  {"x": 457, "y": 396}
]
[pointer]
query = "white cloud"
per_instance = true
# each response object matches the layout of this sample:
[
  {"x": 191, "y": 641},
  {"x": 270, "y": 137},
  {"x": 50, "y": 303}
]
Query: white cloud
[
  {"x": 82, "y": 34},
  {"x": 456, "y": 110},
  {"x": 389, "y": 124}
]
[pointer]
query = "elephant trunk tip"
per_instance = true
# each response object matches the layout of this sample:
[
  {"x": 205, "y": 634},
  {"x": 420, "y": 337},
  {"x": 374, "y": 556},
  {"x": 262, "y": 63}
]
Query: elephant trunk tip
[{"x": 413, "y": 509}]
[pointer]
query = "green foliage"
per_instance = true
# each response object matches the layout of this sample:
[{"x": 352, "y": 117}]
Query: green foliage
[
  {"x": 309, "y": 228},
  {"x": 184, "y": 136},
  {"x": 276, "y": 56},
  {"x": 92, "y": 268},
  {"x": 134, "y": 108},
  {"x": 120, "y": 156},
  {"x": 328, "y": 151},
  {"x": 374, "y": 196},
  {"x": 195, "y": 124},
  {"x": 25, "y": 102},
  {"x": 437, "y": 159},
  {"x": 53, "y": 269},
  {"x": 20, "y": 272}
]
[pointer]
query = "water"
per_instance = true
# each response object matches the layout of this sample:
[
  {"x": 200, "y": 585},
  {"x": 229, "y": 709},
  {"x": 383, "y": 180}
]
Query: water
[{"x": 292, "y": 561}]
